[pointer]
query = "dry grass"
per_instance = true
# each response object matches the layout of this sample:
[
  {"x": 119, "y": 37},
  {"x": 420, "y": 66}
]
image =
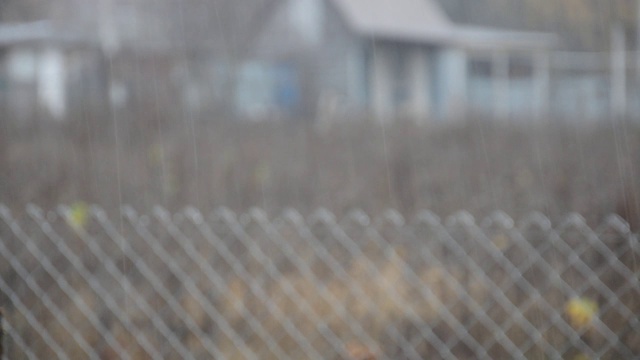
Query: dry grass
[{"x": 478, "y": 166}]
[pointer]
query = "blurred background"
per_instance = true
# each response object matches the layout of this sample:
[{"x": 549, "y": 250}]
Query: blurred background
[
  {"x": 517, "y": 105},
  {"x": 371, "y": 110}
]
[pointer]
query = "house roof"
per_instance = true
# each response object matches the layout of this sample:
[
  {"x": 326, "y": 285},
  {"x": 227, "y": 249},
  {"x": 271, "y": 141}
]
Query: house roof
[
  {"x": 408, "y": 20},
  {"x": 476, "y": 37},
  {"x": 424, "y": 21},
  {"x": 39, "y": 32}
]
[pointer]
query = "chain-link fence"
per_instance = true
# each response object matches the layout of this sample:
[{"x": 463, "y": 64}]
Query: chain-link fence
[{"x": 79, "y": 283}]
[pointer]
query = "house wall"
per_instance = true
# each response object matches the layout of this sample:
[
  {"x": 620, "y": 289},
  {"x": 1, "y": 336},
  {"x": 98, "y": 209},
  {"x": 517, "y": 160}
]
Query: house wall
[
  {"x": 52, "y": 82},
  {"x": 342, "y": 71},
  {"x": 358, "y": 74},
  {"x": 18, "y": 84},
  {"x": 451, "y": 83},
  {"x": 381, "y": 87},
  {"x": 400, "y": 79},
  {"x": 310, "y": 40},
  {"x": 52, "y": 93},
  {"x": 35, "y": 82},
  {"x": 420, "y": 101},
  {"x": 339, "y": 61},
  {"x": 337, "y": 70},
  {"x": 353, "y": 73}
]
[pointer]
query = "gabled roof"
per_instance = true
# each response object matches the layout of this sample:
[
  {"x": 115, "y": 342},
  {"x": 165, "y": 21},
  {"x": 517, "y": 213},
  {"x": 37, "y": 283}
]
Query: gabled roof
[{"x": 407, "y": 20}]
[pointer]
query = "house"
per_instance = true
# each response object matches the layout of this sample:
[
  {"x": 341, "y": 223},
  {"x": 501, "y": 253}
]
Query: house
[
  {"x": 388, "y": 58},
  {"x": 309, "y": 58},
  {"x": 38, "y": 63}
]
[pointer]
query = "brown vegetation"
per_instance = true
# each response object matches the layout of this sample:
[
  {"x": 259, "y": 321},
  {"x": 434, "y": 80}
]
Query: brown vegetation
[
  {"x": 383, "y": 292},
  {"x": 409, "y": 281},
  {"x": 478, "y": 166}
]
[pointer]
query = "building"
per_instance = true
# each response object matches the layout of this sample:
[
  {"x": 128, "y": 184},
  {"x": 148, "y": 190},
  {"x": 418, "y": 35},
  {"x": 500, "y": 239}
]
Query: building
[
  {"x": 304, "y": 58},
  {"x": 39, "y": 63},
  {"x": 388, "y": 58}
]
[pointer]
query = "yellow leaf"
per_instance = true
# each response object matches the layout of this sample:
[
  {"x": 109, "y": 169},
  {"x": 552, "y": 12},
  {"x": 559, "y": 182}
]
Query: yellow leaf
[
  {"x": 78, "y": 216},
  {"x": 581, "y": 312},
  {"x": 580, "y": 356}
]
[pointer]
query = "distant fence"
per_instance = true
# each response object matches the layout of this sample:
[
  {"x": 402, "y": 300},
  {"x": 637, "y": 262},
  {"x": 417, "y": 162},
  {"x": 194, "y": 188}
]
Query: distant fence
[{"x": 79, "y": 283}]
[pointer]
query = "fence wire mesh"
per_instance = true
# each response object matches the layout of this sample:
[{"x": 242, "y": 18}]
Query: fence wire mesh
[{"x": 78, "y": 283}]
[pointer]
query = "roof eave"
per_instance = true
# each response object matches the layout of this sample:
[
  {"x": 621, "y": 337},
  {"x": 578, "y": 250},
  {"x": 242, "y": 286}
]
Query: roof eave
[
  {"x": 484, "y": 38},
  {"x": 41, "y": 33}
]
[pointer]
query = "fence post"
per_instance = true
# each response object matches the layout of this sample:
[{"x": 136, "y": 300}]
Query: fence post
[{"x": 618, "y": 72}]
